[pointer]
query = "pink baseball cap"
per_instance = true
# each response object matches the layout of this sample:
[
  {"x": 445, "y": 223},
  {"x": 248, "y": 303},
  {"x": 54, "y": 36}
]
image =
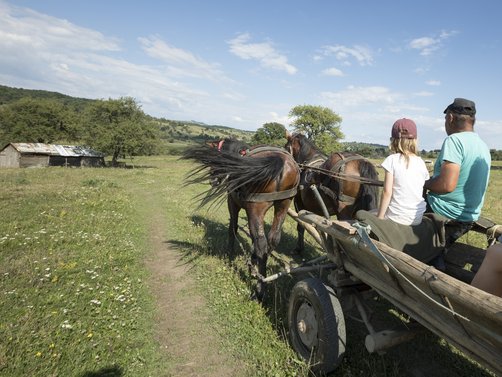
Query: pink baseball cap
[{"x": 404, "y": 129}]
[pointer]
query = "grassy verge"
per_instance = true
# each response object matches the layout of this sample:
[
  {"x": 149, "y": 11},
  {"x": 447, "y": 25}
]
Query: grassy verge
[{"x": 71, "y": 276}]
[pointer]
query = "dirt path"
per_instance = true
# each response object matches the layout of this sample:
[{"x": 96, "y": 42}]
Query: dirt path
[{"x": 183, "y": 326}]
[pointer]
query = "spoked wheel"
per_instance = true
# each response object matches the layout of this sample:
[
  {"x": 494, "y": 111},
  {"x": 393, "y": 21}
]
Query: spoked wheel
[{"x": 316, "y": 325}]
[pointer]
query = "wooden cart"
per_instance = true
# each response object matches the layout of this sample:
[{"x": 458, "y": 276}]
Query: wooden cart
[{"x": 356, "y": 266}]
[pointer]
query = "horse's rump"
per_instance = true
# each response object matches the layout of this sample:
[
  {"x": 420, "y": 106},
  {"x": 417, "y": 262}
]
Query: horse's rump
[{"x": 260, "y": 172}]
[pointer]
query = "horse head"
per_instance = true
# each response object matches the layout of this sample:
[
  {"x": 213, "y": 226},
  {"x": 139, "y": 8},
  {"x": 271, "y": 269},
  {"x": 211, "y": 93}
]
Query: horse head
[{"x": 294, "y": 144}]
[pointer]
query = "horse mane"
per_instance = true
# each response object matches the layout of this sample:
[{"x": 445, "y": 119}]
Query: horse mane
[{"x": 368, "y": 194}]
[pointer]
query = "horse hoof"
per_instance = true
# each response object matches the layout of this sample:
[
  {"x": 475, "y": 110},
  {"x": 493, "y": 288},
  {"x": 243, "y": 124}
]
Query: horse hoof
[
  {"x": 253, "y": 297},
  {"x": 253, "y": 270},
  {"x": 256, "y": 296},
  {"x": 298, "y": 250}
]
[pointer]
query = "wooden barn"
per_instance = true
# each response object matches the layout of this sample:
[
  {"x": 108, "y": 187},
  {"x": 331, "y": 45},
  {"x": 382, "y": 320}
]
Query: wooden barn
[{"x": 25, "y": 155}]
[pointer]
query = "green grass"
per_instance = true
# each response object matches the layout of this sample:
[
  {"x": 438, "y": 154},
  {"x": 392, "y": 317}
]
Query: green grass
[
  {"x": 71, "y": 276},
  {"x": 73, "y": 280}
]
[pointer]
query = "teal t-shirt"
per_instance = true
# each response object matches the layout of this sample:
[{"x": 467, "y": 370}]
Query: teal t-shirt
[{"x": 472, "y": 154}]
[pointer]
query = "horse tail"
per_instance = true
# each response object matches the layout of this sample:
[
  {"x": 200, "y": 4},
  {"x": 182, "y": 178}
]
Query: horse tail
[
  {"x": 367, "y": 198},
  {"x": 232, "y": 171}
]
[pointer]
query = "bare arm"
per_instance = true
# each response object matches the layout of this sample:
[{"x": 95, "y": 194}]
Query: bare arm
[
  {"x": 386, "y": 194},
  {"x": 447, "y": 179}
]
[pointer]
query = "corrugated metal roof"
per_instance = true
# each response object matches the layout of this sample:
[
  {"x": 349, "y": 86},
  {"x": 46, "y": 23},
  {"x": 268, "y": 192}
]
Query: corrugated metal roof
[{"x": 56, "y": 150}]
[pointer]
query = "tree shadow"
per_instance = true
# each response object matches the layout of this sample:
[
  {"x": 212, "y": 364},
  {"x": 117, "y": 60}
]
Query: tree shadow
[
  {"x": 427, "y": 354},
  {"x": 111, "y": 371},
  {"x": 216, "y": 244}
]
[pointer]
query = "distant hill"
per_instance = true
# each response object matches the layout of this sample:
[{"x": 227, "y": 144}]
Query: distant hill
[
  {"x": 172, "y": 131},
  {"x": 8, "y": 95}
]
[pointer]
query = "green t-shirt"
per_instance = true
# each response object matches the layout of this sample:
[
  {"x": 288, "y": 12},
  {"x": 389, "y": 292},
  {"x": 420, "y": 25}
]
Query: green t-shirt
[{"x": 472, "y": 154}]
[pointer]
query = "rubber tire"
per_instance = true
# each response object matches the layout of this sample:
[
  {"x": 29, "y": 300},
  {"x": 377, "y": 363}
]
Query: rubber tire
[{"x": 328, "y": 348}]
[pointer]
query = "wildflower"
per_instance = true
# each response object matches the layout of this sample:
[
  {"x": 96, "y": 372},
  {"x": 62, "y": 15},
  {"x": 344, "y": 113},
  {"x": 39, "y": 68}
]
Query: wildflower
[
  {"x": 96, "y": 302},
  {"x": 38, "y": 354},
  {"x": 66, "y": 325}
]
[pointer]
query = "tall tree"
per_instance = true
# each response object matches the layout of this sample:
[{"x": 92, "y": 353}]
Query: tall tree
[
  {"x": 320, "y": 124},
  {"x": 271, "y": 133},
  {"x": 120, "y": 128},
  {"x": 31, "y": 120}
]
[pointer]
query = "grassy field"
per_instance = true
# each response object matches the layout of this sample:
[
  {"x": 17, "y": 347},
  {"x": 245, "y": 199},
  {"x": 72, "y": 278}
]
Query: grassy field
[{"x": 72, "y": 280}]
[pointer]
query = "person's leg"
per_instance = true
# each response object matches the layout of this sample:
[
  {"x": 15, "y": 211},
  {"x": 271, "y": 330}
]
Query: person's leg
[
  {"x": 489, "y": 276},
  {"x": 454, "y": 230}
]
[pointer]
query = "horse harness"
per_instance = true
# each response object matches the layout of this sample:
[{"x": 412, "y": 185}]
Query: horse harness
[
  {"x": 339, "y": 169},
  {"x": 264, "y": 196}
]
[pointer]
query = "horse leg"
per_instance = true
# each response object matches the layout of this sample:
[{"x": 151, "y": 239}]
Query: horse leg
[
  {"x": 300, "y": 242},
  {"x": 280, "y": 212},
  {"x": 256, "y": 213},
  {"x": 233, "y": 210}
]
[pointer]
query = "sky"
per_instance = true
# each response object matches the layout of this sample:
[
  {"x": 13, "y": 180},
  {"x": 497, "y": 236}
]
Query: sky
[{"x": 242, "y": 64}]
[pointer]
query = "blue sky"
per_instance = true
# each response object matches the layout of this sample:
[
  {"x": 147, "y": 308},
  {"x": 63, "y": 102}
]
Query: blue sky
[{"x": 244, "y": 63}]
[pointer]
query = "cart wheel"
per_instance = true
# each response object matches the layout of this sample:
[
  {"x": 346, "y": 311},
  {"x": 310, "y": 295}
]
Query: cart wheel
[{"x": 316, "y": 325}]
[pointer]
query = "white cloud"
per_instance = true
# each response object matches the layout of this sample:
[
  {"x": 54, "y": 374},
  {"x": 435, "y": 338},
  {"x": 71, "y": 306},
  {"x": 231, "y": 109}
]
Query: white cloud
[
  {"x": 357, "y": 96},
  {"x": 43, "y": 52},
  {"x": 262, "y": 52},
  {"x": 23, "y": 28},
  {"x": 333, "y": 72},
  {"x": 433, "y": 82},
  {"x": 183, "y": 62},
  {"x": 428, "y": 45},
  {"x": 362, "y": 55},
  {"x": 424, "y": 93},
  {"x": 275, "y": 117}
]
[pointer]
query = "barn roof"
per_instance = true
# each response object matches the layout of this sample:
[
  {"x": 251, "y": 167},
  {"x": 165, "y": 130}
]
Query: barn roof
[{"x": 56, "y": 150}]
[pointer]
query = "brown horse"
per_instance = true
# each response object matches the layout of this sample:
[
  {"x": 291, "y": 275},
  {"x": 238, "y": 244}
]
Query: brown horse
[
  {"x": 346, "y": 182},
  {"x": 254, "y": 179}
]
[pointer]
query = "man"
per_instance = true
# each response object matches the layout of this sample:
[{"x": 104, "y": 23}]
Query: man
[{"x": 461, "y": 172}]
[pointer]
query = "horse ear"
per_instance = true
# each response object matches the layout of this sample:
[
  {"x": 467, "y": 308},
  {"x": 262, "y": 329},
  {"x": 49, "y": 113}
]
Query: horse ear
[{"x": 288, "y": 135}]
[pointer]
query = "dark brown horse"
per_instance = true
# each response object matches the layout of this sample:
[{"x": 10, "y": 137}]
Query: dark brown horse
[
  {"x": 339, "y": 178},
  {"x": 254, "y": 179}
]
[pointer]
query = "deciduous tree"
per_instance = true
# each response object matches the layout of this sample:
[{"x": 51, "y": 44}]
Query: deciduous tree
[
  {"x": 120, "y": 128},
  {"x": 271, "y": 133},
  {"x": 320, "y": 124},
  {"x": 35, "y": 120}
]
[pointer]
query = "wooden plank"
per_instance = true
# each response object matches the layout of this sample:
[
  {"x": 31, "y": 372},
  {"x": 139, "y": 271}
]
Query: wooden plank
[
  {"x": 344, "y": 227},
  {"x": 308, "y": 227}
]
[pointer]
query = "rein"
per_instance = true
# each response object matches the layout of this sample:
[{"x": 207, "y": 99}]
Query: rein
[{"x": 343, "y": 176}]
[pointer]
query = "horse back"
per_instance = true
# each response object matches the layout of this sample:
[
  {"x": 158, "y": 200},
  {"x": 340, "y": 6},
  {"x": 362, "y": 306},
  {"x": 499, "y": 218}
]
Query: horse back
[{"x": 288, "y": 176}]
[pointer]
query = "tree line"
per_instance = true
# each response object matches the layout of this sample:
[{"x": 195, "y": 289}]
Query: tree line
[{"x": 119, "y": 127}]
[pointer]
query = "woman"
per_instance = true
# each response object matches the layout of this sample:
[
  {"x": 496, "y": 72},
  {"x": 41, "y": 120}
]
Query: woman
[{"x": 405, "y": 173}]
